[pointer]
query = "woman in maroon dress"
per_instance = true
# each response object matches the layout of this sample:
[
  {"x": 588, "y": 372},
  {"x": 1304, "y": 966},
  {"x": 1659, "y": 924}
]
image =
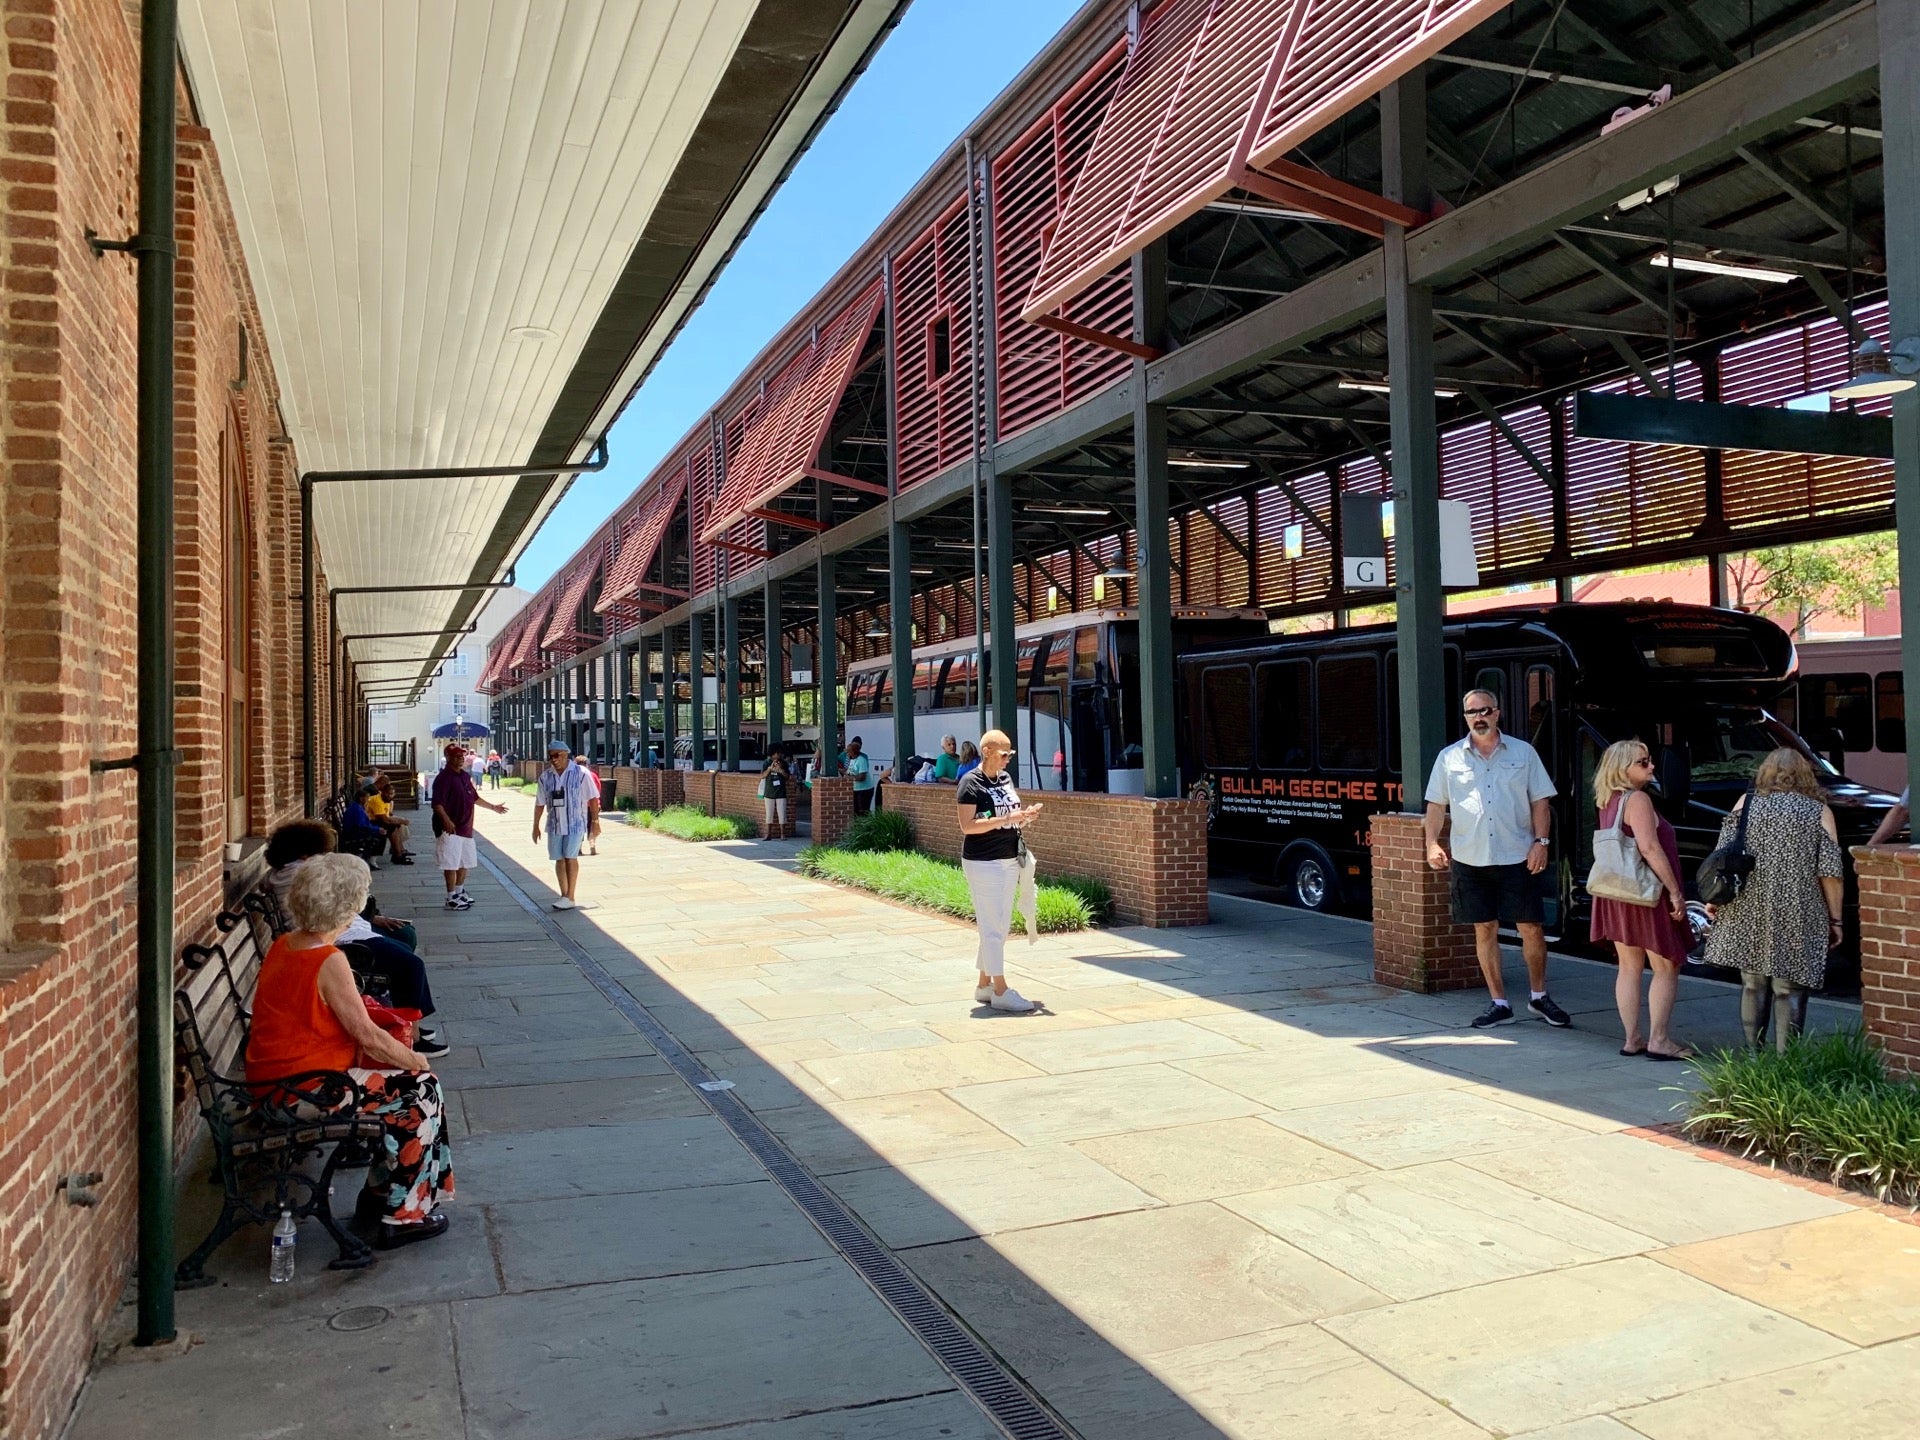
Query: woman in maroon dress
[{"x": 1640, "y": 933}]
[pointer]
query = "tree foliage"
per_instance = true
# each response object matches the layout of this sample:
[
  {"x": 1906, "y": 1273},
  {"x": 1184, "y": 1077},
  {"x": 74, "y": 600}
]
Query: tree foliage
[{"x": 1817, "y": 578}]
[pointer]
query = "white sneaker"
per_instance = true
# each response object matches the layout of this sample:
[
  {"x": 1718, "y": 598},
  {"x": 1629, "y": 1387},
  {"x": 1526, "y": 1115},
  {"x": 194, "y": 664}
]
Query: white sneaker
[
  {"x": 457, "y": 901},
  {"x": 1012, "y": 1000},
  {"x": 564, "y": 904},
  {"x": 584, "y": 905},
  {"x": 983, "y": 994}
]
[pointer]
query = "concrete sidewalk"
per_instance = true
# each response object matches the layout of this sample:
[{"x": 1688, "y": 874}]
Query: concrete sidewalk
[{"x": 1224, "y": 1186}]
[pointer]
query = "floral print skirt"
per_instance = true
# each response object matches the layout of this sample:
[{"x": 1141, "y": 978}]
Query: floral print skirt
[{"x": 412, "y": 1169}]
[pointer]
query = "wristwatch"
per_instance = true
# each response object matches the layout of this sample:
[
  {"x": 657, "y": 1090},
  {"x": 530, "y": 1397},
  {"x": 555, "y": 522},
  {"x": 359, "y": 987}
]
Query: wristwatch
[{"x": 1541, "y": 840}]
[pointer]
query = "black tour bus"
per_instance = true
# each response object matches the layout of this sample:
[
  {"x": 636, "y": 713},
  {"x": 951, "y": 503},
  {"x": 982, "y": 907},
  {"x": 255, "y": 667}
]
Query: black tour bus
[{"x": 1297, "y": 740}]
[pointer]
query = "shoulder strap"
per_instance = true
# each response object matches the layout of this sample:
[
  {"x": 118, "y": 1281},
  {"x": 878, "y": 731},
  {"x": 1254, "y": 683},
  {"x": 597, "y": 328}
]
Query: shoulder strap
[{"x": 1740, "y": 830}]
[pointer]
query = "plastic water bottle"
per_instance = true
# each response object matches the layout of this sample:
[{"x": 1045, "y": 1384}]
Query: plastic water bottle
[{"x": 280, "y": 1267}]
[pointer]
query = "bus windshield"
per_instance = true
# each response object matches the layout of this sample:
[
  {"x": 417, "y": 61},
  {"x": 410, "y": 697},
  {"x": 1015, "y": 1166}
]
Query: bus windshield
[{"x": 1728, "y": 745}]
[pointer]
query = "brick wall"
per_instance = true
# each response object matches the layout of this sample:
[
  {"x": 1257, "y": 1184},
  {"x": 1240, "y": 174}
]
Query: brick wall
[
  {"x": 737, "y": 793},
  {"x": 1889, "y": 878},
  {"x": 1416, "y": 945},
  {"x": 832, "y": 808},
  {"x": 654, "y": 789},
  {"x": 1151, "y": 853},
  {"x": 67, "y": 635}
]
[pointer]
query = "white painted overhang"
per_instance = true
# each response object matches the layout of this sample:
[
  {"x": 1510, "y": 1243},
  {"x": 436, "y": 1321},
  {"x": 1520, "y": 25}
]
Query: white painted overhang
[{"x": 473, "y": 225}]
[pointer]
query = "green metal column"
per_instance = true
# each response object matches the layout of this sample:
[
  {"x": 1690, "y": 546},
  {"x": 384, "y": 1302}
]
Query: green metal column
[
  {"x": 899, "y": 549},
  {"x": 643, "y": 690},
  {"x": 669, "y": 696},
  {"x": 697, "y": 678},
  {"x": 1900, "y": 179},
  {"x": 1151, "y": 520},
  {"x": 730, "y": 678},
  {"x": 998, "y": 487},
  {"x": 154, "y": 859},
  {"x": 826, "y": 665},
  {"x": 773, "y": 674},
  {"x": 1420, "y": 603}
]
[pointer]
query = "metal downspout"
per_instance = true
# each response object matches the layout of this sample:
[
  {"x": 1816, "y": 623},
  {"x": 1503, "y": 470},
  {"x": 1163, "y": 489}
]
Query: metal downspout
[{"x": 155, "y": 252}]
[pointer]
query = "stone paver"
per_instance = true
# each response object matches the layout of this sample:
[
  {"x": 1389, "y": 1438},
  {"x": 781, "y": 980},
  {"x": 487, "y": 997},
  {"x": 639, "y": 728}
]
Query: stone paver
[{"x": 1224, "y": 1186}]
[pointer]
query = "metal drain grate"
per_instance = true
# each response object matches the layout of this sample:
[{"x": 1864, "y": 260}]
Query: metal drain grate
[{"x": 993, "y": 1388}]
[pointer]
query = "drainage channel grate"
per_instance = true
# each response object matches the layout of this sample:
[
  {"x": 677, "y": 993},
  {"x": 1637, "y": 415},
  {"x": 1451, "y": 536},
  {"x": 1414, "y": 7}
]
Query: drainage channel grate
[{"x": 993, "y": 1388}]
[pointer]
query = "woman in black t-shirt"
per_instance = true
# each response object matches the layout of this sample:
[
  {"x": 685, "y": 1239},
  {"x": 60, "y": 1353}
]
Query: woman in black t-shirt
[
  {"x": 774, "y": 781},
  {"x": 992, "y": 855}
]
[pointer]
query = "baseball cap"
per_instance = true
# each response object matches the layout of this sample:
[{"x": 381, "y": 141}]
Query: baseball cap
[
  {"x": 453, "y": 750},
  {"x": 560, "y": 745}
]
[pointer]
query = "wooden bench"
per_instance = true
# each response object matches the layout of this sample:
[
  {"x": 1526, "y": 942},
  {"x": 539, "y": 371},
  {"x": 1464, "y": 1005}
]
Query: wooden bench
[{"x": 266, "y": 1138}]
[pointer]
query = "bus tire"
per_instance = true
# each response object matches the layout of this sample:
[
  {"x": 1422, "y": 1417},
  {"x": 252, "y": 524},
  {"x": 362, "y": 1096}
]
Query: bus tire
[{"x": 1312, "y": 882}]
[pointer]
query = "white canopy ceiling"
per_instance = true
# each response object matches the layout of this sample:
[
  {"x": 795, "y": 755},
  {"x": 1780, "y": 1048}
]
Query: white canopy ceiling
[{"x": 441, "y": 204}]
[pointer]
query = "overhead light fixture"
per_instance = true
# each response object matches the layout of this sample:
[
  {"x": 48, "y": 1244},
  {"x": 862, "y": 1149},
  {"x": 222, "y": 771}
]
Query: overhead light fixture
[
  {"x": 1046, "y": 507},
  {"x": 912, "y": 570},
  {"x": 1664, "y": 261},
  {"x": 1195, "y": 462},
  {"x": 1383, "y": 387},
  {"x": 1875, "y": 372},
  {"x": 1648, "y": 196},
  {"x": 1117, "y": 571},
  {"x": 536, "y": 333},
  {"x": 876, "y": 631},
  {"x": 966, "y": 545}
]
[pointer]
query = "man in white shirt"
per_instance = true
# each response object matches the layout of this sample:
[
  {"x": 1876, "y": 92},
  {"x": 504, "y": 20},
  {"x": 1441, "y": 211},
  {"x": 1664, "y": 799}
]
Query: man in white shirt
[
  {"x": 1494, "y": 791},
  {"x": 567, "y": 798}
]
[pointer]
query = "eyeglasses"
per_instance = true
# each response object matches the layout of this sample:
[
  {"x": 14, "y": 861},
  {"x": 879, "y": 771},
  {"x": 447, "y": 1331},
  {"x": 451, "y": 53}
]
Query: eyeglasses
[
  {"x": 1646, "y": 760},
  {"x": 1478, "y": 711}
]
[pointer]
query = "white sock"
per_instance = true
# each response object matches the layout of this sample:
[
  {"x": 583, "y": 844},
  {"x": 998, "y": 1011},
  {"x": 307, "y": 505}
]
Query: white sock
[{"x": 1537, "y": 994}]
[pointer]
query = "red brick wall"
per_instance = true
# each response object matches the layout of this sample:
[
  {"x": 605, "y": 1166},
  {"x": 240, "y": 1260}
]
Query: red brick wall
[
  {"x": 736, "y": 793},
  {"x": 1890, "y": 952},
  {"x": 1151, "y": 853},
  {"x": 1416, "y": 945},
  {"x": 67, "y": 635},
  {"x": 832, "y": 808}
]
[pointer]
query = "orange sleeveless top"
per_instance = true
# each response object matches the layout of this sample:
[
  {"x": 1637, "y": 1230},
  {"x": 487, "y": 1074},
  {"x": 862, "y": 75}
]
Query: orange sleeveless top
[{"x": 294, "y": 1029}]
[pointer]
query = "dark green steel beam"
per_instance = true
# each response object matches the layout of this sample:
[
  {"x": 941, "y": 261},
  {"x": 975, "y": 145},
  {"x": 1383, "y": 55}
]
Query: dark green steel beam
[{"x": 1599, "y": 416}]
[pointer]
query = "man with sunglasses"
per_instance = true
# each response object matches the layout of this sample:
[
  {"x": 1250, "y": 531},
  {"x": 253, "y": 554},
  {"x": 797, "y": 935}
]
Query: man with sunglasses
[{"x": 1495, "y": 792}]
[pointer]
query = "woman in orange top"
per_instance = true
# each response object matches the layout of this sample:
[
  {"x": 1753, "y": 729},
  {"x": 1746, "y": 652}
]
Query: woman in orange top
[{"x": 307, "y": 1015}]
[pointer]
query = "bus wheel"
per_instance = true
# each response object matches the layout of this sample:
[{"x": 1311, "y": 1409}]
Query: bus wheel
[{"x": 1311, "y": 882}]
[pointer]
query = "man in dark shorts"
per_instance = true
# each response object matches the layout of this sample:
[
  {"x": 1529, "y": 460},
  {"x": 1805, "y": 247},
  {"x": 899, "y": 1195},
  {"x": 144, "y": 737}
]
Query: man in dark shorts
[{"x": 1494, "y": 791}]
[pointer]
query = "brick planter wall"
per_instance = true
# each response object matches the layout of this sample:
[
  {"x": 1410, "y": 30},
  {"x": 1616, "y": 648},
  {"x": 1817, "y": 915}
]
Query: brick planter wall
[
  {"x": 1152, "y": 854},
  {"x": 1889, "y": 878},
  {"x": 832, "y": 809},
  {"x": 1416, "y": 945},
  {"x": 696, "y": 789},
  {"x": 653, "y": 789},
  {"x": 529, "y": 770},
  {"x": 734, "y": 794}
]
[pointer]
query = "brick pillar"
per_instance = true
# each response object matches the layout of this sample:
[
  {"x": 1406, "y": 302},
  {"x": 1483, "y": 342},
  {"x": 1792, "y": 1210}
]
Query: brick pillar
[
  {"x": 1416, "y": 945},
  {"x": 1889, "y": 878},
  {"x": 832, "y": 808}
]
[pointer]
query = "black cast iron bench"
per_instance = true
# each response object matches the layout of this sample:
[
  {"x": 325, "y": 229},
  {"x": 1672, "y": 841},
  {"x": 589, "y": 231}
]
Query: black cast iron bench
[{"x": 276, "y": 1145}]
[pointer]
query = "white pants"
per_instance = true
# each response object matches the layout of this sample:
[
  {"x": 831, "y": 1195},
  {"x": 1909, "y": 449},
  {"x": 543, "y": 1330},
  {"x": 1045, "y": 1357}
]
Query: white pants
[
  {"x": 996, "y": 886},
  {"x": 777, "y": 810}
]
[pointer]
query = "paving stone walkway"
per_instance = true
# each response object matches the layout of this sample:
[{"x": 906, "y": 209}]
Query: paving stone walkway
[{"x": 1225, "y": 1185}]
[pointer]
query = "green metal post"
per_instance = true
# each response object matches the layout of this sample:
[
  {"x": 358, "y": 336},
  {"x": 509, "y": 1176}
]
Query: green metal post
[
  {"x": 998, "y": 487},
  {"x": 154, "y": 845},
  {"x": 669, "y": 697},
  {"x": 1900, "y": 182},
  {"x": 773, "y": 673},
  {"x": 826, "y": 667},
  {"x": 697, "y": 676},
  {"x": 899, "y": 550},
  {"x": 730, "y": 678},
  {"x": 1151, "y": 519},
  {"x": 1420, "y": 602}
]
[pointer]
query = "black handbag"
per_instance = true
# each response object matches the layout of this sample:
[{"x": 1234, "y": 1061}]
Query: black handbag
[{"x": 1724, "y": 874}]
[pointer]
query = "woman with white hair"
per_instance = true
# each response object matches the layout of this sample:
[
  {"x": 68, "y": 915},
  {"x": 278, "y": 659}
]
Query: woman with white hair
[
  {"x": 308, "y": 1016},
  {"x": 994, "y": 858}
]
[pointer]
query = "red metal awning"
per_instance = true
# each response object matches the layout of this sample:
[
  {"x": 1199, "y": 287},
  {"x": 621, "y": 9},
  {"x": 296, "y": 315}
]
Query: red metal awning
[
  {"x": 561, "y": 629},
  {"x": 498, "y": 654},
  {"x": 1215, "y": 95},
  {"x": 526, "y": 650},
  {"x": 782, "y": 445},
  {"x": 646, "y": 531}
]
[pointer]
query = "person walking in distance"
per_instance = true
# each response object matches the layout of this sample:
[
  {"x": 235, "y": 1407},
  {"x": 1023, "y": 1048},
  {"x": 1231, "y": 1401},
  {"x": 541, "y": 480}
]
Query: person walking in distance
[
  {"x": 994, "y": 858},
  {"x": 1493, "y": 791},
  {"x": 453, "y": 798},
  {"x": 567, "y": 798}
]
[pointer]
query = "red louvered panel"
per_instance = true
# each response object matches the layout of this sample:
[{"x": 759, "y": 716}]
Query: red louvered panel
[
  {"x": 700, "y": 477},
  {"x": 562, "y": 626},
  {"x": 783, "y": 441},
  {"x": 643, "y": 534},
  {"x": 1621, "y": 496},
  {"x": 1042, "y": 372},
  {"x": 932, "y": 293},
  {"x": 1765, "y": 488},
  {"x": 1310, "y": 578},
  {"x": 1214, "y": 86},
  {"x": 527, "y": 651},
  {"x": 1512, "y": 506}
]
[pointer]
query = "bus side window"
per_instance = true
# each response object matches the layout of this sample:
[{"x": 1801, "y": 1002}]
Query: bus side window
[
  {"x": 883, "y": 697},
  {"x": 1540, "y": 732},
  {"x": 1023, "y": 658},
  {"x": 923, "y": 677},
  {"x": 1349, "y": 712},
  {"x": 1842, "y": 703},
  {"x": 1086, "y": 653},
  {"x": 860, "y": 694},
  {"x": 1890, "y": 712},
  {"x": 1227, "y": 717},
  {"x": 1286, "y": 715},
  {"x": 1059, "y": 663},
  {"x": 1494, "y": 678},
  {"x": 956, "y": 692}
]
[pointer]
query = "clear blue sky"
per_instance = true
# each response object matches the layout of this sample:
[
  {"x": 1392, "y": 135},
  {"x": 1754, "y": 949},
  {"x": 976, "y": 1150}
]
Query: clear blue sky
[{"x": 938, "y": 70}]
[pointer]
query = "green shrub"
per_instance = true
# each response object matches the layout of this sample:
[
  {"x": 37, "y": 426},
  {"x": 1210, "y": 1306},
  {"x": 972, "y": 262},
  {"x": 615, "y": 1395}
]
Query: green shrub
[
  {"x": 1096, "y": 895},
  {"x": 627, "y": 803},
  {"x": 879, "y": 830},
  {"x": 931, "y": 884},
  {"x": 513, "y": 782},
  {"x": 1825, "y": 1107},
  {"x": 688, "y": 822}
]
